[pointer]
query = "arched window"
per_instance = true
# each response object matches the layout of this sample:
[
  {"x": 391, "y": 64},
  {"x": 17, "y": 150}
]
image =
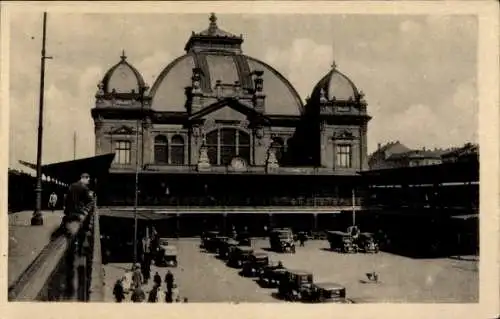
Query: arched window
[
  {"x": 279, "y": 146},
  {"x": 177, "y": 150},
  {"x": 161, "y": 149},
  {"x": 225, "y": 144}
]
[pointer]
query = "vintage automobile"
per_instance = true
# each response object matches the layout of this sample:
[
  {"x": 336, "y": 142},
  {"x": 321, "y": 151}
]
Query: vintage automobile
[
  {"x": 294, "y": 283},
  {"x": 207, "y": 238},
  {"x": 254, "y": 264},
  {"x": 341, "y": 241},
  {"x": 167, "y": 254},
  {"x": 238, "y": 256},
  {"x": 270, "y": 276},
  {"x": 282, "y": 240},
  {"x": 244, "y": 239},
  {"x": 366, "y": 243},
  {"x": 324, "y": 292},
  {"x": 225, "y": 247}
]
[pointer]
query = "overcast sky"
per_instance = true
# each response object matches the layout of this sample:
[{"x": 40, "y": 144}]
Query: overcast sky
[{"x": 418, "y": 72}]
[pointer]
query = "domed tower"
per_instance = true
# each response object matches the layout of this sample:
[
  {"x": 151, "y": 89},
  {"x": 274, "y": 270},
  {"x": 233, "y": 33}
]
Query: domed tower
[
  {"x": 214, "y": 88},
  {"x": 121, "y": 90},
  {"x": 336, "y": 116}
]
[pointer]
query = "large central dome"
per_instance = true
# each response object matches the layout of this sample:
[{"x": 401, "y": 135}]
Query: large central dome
[{"x": 219, "y": 56}]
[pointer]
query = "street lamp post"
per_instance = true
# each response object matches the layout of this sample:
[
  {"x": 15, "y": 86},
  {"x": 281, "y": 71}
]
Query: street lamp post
[
  {"x": 139, "y": 126},
  {"x": 37, "y": 218},
  {"x": 353, "y": 208}
]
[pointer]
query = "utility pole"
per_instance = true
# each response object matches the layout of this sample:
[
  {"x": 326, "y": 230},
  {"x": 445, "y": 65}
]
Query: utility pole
[
  {"x": 74, "y": 145},
  {"x": 139, "y": 126},
  {"x": 37, "y": 218},
  {"x": 353, "y": 208}
]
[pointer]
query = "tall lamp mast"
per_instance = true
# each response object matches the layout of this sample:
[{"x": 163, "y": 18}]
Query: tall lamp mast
[{"x": 37, "y": 218}]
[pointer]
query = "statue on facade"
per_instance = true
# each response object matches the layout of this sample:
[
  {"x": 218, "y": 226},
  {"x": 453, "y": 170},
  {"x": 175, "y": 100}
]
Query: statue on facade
[
  {"x": 203, "y": 160},
  {"x": 272, "y": 162}
]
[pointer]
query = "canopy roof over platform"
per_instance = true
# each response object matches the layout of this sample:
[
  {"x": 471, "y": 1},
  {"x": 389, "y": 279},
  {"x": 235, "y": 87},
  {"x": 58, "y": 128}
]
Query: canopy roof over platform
[
  {"x": 459, "y": 172},
  {"x": 70, "y": 171}
]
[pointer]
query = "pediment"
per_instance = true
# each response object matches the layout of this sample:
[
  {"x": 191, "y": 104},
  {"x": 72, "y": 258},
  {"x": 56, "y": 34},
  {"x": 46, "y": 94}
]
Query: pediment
[
  {"x": 227, "y": 110},
  {"x": 122, "y": 130}
]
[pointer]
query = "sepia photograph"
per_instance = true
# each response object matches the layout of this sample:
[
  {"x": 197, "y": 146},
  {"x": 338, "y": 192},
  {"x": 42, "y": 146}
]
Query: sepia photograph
[{"x": 218, "y": 157}]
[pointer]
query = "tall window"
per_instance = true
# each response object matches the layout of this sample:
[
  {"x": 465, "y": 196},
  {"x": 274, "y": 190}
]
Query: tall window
[
  {"x": 177, "y": 150},
  {"x": 225, "y": 144},
  {"x": 161, "y": 150},
  {"x": 279, "y": 147},
  {"x": 123, "y": 152},
  {"x": 343, "y": 156}
]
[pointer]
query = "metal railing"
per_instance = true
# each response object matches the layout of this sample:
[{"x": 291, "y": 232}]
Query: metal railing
[
  {"x": 214, "y": 201},
  {"x": 69, "y": 268}
]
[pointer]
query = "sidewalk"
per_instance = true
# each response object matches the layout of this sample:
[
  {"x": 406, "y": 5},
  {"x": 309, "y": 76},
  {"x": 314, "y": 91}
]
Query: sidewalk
[{"x": 26, "y": 241}]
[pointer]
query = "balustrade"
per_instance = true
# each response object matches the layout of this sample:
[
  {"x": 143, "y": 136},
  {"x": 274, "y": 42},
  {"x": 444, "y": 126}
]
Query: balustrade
[
  {"x": 231, "y": 201},
  {"x": 68, "y": 268}
]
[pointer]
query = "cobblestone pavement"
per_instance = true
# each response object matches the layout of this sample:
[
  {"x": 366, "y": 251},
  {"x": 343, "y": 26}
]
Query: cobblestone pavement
[
  {"x": 26, "y": 241},
  {"x": 203, "y": 278}
]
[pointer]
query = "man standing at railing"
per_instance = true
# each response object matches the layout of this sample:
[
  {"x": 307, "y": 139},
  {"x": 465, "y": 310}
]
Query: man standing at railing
[{"x": 79, "y": 203}]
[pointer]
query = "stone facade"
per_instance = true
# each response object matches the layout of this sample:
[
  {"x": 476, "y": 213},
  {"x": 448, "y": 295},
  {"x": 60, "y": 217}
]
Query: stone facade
[{"x": 230, "y": 94}]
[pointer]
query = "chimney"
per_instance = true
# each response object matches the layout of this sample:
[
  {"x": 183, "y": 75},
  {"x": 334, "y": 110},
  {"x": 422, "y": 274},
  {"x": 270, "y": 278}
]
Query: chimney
[{"x": 379, "y": 146}]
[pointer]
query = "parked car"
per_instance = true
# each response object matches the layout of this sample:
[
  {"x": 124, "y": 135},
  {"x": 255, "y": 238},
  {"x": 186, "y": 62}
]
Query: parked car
[
  {"x": 271, "y": 275},
  {"x": 324, "y": 292},
  {"x": 282, "y": 240},
  {"x": 167, "y": 254},
  {"x": 293, "y": 283},
  {"x": 341, "y": 241},
  {"x": 254, "y": 264},
  {"x": 225, "y": 247},
  {"x": 238, "y": 256},
  {"x": 244, "y": 239},
  {"x": 366, "y": 243},
  {"x": 207, "y": 239}
]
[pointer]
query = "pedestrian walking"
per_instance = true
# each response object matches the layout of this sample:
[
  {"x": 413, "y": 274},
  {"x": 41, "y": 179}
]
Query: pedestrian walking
[
  {"x": 138, "y": 295},
  {"x": 137, "y": 278},
  {"x": 157, "y": 279},
  {"x": 302, "y": 238},
  {"x": 52, "y": 201},
  {"x": 169, "y": 280},
  {"x": 119, "y": 290},
  {"x": 154, "y": 294}
]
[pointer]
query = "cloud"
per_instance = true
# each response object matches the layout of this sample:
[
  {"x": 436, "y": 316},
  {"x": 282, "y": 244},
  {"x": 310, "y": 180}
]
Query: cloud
[
  {"x": 152, "y": 65},
  {"x": 303, "y": 64}
]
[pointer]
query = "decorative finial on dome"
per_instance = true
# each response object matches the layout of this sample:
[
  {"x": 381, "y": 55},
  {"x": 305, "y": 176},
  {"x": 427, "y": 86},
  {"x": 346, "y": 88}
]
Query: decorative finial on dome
[
  {"x": 334, "y": 65},
  {"x": 213, "y": 23},
  {"x": 123, "y": 56}
]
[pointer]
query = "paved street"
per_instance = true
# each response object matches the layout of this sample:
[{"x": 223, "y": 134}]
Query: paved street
[
  {"x": 26, "y": 241},
  {"x": 203, "y": 278}
]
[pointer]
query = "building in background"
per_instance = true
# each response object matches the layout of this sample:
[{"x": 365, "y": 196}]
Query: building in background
[{"x": 397, "y": 155}]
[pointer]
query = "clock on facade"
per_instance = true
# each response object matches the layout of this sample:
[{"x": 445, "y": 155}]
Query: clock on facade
[{"x": 238, "y": 163}]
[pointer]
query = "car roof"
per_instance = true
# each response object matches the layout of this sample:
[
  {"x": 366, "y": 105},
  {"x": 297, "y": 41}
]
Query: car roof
[
  {"x": 329, "y": 285},
  {"x": 245, "y": 249},
  {"x": 260, "y": 254},
  {"x": 299, "y": 272}
]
